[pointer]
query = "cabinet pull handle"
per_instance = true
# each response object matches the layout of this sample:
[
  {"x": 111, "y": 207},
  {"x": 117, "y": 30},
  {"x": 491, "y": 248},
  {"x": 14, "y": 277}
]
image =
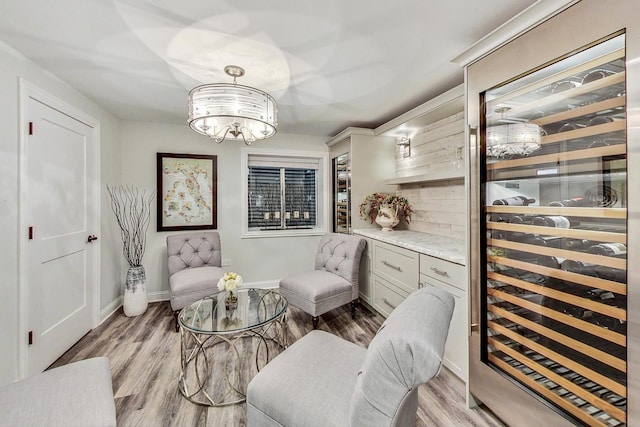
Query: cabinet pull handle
[
  {"x": 392, "y": 266},
  {"x": 388, "y": 303},
  {"x": 440, "y": 272}
]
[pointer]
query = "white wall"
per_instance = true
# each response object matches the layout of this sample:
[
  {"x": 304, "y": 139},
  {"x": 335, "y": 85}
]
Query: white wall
[
  {"x": 14, "y": 65},
  {"x": 257, "y": 260}
]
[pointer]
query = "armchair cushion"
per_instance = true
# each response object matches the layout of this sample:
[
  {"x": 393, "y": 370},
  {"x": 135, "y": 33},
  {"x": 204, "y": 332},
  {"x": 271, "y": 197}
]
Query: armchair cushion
[
  {"x": 316, "y": 292},
  {"x": 309, "y": 384},
  {"x": 191, "y": 284}
]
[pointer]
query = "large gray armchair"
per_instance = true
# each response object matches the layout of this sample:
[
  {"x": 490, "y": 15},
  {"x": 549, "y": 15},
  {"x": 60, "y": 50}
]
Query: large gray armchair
[
  {"x": 333, "y": 283},
  {"x": 323, "y": 380},
  {"x": 194, "y": 263}
]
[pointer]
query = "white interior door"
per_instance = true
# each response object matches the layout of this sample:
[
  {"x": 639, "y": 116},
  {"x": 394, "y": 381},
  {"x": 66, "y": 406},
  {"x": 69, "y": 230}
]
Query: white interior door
[{"x": 60, "y": 204}]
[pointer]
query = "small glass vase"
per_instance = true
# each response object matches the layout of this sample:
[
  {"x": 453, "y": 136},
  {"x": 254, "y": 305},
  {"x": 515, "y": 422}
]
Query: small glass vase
[{"x": 231, "y": 301}]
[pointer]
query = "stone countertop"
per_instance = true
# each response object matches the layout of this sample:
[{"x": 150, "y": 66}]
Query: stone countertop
[{"x": 442, "y": 247}]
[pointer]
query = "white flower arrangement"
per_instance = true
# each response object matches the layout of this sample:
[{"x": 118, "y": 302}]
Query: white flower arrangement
[{"x": 229, "y": 282}]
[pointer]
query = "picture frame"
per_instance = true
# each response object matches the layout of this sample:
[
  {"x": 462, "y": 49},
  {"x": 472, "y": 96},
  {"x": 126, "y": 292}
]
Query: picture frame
[{"x": 187, "y": 192}]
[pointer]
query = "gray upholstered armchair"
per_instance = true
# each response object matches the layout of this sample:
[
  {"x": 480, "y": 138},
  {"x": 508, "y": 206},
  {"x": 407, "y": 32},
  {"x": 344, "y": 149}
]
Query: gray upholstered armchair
[
  {"x": 333, "y": 283},
  {"x": 324, "y": 380},
  {"x": 193, "y": 261}
]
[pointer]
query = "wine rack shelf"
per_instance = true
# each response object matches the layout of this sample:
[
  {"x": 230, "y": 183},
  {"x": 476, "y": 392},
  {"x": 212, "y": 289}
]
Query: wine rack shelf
[{"x": 555, "y": 279}]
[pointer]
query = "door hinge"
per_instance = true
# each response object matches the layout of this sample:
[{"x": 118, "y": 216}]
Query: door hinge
[
  {"x": 30, "y": 128},
  {"x": 30, "y": 337},
  {"x": 30, "y": 233}
]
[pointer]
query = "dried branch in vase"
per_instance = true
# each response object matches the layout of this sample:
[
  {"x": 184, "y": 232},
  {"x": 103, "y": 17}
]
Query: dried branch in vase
[{"x": 132, "y": 209}]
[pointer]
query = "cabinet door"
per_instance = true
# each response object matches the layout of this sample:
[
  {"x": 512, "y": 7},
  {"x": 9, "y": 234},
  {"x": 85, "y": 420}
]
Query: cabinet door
[
  {"x": 386, "y": 296},
  {"x": 397, "y": 265},
  {"x": 456, "y": 350}
]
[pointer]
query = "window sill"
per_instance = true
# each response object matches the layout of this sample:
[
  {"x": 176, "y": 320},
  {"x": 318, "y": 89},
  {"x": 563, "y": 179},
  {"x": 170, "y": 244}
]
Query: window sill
[{"x": 291, "y": 232}]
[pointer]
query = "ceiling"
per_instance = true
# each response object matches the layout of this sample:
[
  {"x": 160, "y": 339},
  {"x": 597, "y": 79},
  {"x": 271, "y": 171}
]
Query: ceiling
[{"x": 329, "y": 64}]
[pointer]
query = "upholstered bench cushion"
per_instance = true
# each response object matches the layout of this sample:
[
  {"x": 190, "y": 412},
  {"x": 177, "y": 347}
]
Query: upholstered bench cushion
[
  {"x": 191, "y": 284},
  {"x": 304, "y": 386},
  {"x": 77, "y": 394},
  {"x": 328, "y": 291}
]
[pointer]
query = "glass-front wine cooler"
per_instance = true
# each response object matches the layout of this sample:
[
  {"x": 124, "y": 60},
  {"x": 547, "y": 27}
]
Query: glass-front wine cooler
[
  {"x": 553, "y": 195},
  {"x": 342, "y": 194}
]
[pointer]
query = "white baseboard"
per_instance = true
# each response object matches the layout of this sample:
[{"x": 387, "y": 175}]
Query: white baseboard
[
  {"x": 158, "y": 296},
  {"x": 108, "y": 311},
  {"x": 267, "y": 284}
]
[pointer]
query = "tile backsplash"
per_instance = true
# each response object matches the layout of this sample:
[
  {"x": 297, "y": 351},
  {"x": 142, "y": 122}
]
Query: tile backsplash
[{"x": 439, "y": 206}]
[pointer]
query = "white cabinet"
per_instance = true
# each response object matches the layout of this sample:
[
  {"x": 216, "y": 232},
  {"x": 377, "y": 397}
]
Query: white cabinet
[
  {"x": 395, "y": 271},
  {"x": 367, "y": 160},
  {"x": 394, "y": 275},
  {"x": 451, "y": 278}
]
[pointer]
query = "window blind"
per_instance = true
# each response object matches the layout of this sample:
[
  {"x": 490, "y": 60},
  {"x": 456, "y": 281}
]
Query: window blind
[{"x": 282, "y": 197}]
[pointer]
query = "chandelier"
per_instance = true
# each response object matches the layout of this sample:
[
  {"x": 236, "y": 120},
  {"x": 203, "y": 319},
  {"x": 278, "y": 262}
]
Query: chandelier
[
  {"x": 232, "y": 111},
  {"x": 520, "y": 139}
]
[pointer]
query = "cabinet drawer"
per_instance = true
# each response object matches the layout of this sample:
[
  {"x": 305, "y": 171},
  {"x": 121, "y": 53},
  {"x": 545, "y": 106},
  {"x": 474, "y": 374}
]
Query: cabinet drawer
[
  {"x": 448, "y": 272},
  {"x": 457, "y": 348},
  {"x": 386, "y": 296},
  {"x": 397, "y": 265}
]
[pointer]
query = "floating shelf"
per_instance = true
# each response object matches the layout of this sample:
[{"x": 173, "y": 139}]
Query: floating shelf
[{"x": 429, "y": 177}]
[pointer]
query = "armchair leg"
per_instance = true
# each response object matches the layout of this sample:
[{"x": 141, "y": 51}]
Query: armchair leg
[
  {"x": 353, "y": 309},
  {"x": 315, "y": 320},
  {"x": 175, "y": 320}
]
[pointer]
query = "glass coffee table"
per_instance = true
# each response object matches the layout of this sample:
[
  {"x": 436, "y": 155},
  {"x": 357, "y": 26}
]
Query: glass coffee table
[{"x": 223, "y": 348}]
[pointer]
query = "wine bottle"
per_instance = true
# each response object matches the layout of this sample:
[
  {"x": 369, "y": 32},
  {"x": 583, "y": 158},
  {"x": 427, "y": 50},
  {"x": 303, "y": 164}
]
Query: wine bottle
[
  {"x": 574, "y": 202},
  {"x": 613, "y": 274},
  {"x": 618, "y": 250},
  {"x": 515, "y": 201},
  {"x": 499, "y": 217},
  {"x": 610, "y": 323},
  {"x": 555, "y": 221},
  {"x": 577, "y": 244},
  {"x": 611, "y": 299},
  {"x": 550, "y": 241},
  {"x": 521, "y": 219},
  {"x": 579, "y": 267},
  {"x": 600, "y": 120}
]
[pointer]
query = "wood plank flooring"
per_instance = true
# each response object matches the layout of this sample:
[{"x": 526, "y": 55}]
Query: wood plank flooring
[{"x": 145, "y": 361}]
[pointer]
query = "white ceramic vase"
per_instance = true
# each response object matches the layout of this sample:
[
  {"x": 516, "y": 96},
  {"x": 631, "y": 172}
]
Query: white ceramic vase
[
  {"x": 387, "y": 217},
  {"x": 135, "y": 292}
]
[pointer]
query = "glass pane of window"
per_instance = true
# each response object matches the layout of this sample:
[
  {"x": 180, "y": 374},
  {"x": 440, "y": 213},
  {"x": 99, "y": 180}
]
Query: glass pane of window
[
  {"x": 300, "y": 198},
  {"x": 264, "y": 198}
]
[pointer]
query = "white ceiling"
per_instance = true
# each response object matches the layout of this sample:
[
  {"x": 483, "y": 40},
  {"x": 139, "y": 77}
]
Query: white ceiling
[{"x": 328, "y": 64}]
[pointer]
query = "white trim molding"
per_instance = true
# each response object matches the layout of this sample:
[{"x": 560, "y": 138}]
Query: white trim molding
[{"x": 516, "y": 26}]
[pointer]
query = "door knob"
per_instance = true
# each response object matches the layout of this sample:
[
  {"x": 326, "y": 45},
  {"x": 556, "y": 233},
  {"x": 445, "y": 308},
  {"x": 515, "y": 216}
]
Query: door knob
[{"x": 91, "y": 238}]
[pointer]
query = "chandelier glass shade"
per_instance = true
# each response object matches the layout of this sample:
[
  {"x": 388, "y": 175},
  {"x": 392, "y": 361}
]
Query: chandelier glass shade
[
  {"x": 519, "y": 139},
  {"x": 232, "y": 111}
]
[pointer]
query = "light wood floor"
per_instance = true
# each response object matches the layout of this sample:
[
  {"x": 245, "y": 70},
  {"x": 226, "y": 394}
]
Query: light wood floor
[{"x": 145, "y": 361}]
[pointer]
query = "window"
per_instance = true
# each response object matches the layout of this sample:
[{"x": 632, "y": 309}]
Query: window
[{"x": 284, "y": 193}]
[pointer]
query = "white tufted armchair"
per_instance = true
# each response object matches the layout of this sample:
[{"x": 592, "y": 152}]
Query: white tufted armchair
[
  {"x": 193, "y": 261},
  {"x": 333, "y": 283}
]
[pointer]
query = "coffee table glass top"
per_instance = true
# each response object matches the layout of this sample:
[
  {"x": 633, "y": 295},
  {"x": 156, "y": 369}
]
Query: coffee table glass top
[{"x": 255, "y": 307}]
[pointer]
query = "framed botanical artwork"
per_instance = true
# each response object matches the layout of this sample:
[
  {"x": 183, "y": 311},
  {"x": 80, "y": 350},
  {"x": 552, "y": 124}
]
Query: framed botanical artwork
[{"x": 187, "y": 192}]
